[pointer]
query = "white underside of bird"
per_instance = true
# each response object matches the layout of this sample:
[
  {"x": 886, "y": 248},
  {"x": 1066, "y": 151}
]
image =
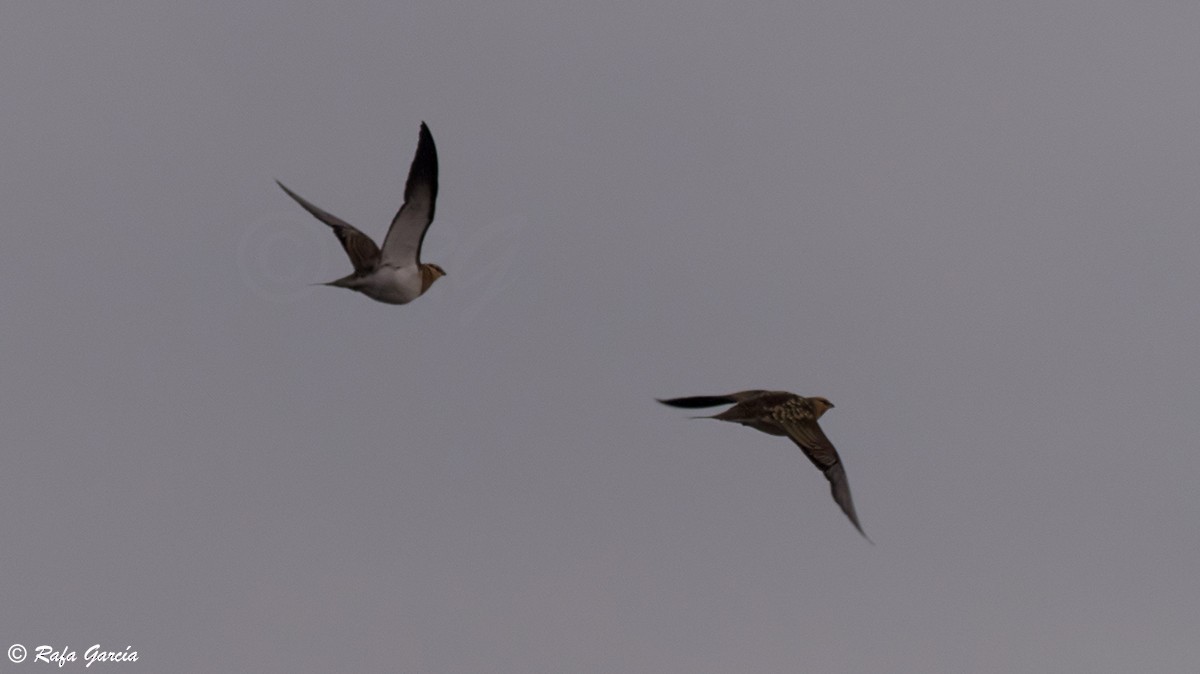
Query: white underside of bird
[{"x": 392, "y": 285}]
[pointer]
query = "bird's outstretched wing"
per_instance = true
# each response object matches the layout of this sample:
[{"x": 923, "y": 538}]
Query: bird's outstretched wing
[
  {"x": 363, "y": 252},
  {"x": 696, "y": 402},
  {"x": 841, "y": 495},
  {"x": 402, "y": 246},
  {"x": 816, "y": 446}
]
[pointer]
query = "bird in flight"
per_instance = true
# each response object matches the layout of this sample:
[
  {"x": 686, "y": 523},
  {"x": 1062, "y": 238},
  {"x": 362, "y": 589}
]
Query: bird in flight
[
  {"x": 786, "y": 414},
  {"x": 395, "y": 273}
]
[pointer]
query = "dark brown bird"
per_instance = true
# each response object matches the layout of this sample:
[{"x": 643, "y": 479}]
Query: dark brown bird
[{"x": 786, "y": 414}]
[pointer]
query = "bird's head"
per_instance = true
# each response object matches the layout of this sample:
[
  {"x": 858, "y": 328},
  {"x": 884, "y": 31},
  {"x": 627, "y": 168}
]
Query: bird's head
[
  {"x": 820, "y": 405},
  {"x": 430, "y": 273}
]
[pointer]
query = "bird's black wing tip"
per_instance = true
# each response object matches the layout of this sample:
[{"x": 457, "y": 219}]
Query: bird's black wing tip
[{"x": 696, "y": 402}]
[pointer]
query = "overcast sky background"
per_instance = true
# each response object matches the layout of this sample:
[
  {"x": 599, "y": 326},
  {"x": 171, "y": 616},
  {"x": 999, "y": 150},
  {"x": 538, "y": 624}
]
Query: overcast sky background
[{"x": 976, "y": 229}]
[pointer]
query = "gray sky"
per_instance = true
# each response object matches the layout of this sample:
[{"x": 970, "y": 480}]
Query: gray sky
[{"x": 974, "y": 228}]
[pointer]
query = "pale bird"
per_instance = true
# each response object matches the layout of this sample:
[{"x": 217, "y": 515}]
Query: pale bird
[
  {"x": 790, "y": 415},
  {"x": 395, "y": 273}
]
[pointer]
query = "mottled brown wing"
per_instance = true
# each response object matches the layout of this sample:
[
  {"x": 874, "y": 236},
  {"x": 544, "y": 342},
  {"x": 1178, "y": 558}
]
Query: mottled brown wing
[
  {"x": 359, "y": 247},
  {"x": 816, "y": 446},
  {"x": 812, "y": 440}
]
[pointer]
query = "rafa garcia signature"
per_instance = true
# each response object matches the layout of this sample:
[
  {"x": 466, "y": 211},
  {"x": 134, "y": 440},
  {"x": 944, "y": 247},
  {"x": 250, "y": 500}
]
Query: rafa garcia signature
[{"x": 93, "y": 654}]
